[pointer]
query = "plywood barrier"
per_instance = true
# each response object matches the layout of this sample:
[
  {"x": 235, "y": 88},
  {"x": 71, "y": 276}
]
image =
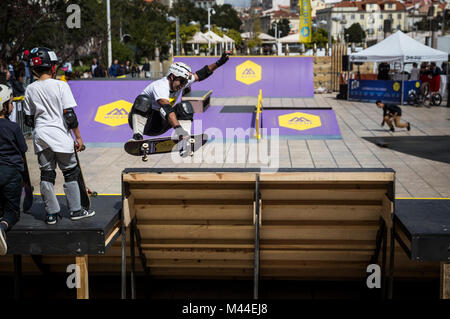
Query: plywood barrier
[{"x": 313, "y": 224}]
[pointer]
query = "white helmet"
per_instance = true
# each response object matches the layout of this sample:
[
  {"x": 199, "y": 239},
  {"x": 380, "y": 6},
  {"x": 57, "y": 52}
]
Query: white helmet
[
  {"x": 180, "y": 69},
  {"x": 5, "y": 94}
]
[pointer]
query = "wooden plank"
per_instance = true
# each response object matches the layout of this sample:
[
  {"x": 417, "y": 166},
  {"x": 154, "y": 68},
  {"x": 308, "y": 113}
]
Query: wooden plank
[
  {"x": 387, "y": 211},
  {"x": 266, "y": 255},
  {"x": 327, "y": 177},
  {"x": 128, "y": 210},
  {"x": 112, "y": 233},
  {"x": 190, "y": 177},
  {"x": 212, "y": 232},
  {"x": 445, "y": 280},
  {"x": 330, "y": 194},
  {"x": 206, "y": 193},
  {"x": 320, "y": 212},
  {"x": 83, "y": 290}
]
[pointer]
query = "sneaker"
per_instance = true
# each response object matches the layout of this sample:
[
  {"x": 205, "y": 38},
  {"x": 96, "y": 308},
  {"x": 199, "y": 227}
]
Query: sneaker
[
  {"x": 3, "y": 246},
  {"x": 82, "y": 213},
  {"x": 392, "y": 129},
  {"x": 138, "y": 137},
  {"x": 409, "y": 127},
  {"x": 51, "y": 219}
]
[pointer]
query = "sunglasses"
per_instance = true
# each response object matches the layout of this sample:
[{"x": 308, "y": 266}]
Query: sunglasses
[{"x": 183, "y": 81}]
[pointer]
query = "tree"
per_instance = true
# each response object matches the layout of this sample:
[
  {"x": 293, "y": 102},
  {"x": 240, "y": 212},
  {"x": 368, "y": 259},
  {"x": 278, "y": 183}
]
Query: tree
[
  {"x": 319, "y": 37},
  {"x": 187, "y": 12},
  {"x": 254, "y": 40},
  {"x": 236, "y": 36},
  {"x": 355, "y": 33},
  {"x": 226, "y": 17},
  {"x": 283, "y": 25}
]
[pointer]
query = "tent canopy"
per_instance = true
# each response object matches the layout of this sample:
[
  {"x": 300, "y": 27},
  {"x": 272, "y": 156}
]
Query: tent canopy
[
  {"x": 291, "y": 38},
  {"x": 399, "y": 48},
  {"x": 264, "y": 37},
  {"x": 198, "y": 38}
]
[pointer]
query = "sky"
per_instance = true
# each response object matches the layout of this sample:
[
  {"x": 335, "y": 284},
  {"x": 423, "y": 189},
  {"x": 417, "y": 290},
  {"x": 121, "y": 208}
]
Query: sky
[{"x": 238, "y": 3}]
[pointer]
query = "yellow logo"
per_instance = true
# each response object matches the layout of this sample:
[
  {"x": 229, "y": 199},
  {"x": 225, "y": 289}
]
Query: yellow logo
[
  {"x": 396, "y": 86},
  {"x": 299, "y": 121},
  {"x": 417, "y": 84},
  {"x": 248, "y": 72},
  {"x": 114, "y": 114}
]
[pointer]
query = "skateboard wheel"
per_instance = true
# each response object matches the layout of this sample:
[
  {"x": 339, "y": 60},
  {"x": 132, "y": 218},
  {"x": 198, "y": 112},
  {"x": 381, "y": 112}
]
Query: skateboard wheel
[
  {"x": 191, "y": 153},
  {"x": 192, "y": 140},
  {"x": 144, "y": 159},
  {"x": 145, "y": 145}
]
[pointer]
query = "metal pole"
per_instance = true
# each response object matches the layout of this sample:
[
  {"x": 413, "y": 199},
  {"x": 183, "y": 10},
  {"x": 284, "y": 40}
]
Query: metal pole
[
  {"x": 209, "y": 30},
  {"x": 108, "y": 23},
  {"x": 177, "y": 27}
]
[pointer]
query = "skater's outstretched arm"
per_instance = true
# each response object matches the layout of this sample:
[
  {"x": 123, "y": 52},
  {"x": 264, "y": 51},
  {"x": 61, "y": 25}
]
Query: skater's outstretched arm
[{"x": 207, "y": 70}]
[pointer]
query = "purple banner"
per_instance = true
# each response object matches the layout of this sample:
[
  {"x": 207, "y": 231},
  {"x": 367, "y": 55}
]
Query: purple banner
[
  {"x": 245, "y": 76},
  {"x": 103, "y": 108}
]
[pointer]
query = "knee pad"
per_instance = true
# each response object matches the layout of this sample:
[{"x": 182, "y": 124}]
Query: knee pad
[
  {"x": 184, "y": 111},
  {"x": 142, "y": 105},
  {"x": 71, "y": 174},
  {"x": 48, "y": 176}
]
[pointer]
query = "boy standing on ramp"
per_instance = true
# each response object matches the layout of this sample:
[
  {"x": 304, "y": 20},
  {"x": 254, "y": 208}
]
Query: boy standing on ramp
[
  {"x": 49, "y": 110},
  {"x": 392, "y": 112},
  {"x": 154, "y": 111},
  {"x": 12, "y": 147}
]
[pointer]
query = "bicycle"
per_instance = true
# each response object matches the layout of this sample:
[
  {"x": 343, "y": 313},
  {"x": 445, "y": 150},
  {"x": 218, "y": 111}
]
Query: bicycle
[{"x": 431, "y": 99}]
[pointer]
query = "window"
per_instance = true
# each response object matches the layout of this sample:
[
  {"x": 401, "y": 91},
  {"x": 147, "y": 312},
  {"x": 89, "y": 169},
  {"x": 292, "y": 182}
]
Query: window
[
  {"x": 352, "y": 17},
  {"x": 390, "y": 5},
  {"x": 390, "y": 16},
  {"x": 381, "y": 16},
  {"x": 399, "y": 15},
  {"x": 361, "y": 16}
]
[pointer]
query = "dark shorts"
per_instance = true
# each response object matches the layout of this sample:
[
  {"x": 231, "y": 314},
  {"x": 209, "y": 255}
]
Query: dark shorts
[{"x": 10, "y": 193}]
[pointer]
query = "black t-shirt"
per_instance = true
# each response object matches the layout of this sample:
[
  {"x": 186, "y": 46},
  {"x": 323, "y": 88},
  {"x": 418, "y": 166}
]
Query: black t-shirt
[
  {"x": 12, "y": 144},
  {"x": 391, "y": 109}
]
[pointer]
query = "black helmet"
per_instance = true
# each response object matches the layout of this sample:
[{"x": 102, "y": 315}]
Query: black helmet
[{"x": 43, "y": 57}]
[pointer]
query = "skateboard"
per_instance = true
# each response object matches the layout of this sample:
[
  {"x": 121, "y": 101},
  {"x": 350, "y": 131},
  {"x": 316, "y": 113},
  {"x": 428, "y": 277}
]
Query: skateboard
[
  {"x": 85, "y": 193},
  {"x": 162, "y": 145},
  {"x": 26, "y": 199}
]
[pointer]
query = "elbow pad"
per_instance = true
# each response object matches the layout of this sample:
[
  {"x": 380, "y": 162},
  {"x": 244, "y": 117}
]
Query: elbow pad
[
  {"x": 165, "y": 110},
  {"x": 29, "y": 120},
  {"x": 71, "y": 118},
  {"x": 203, "y": 73}
]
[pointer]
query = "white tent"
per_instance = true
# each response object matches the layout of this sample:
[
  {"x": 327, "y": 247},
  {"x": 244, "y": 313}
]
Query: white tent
[
  {"x": 399, "y": 48},
  {"x": 229, "y": 42},
  {"x": 198, "y": 38},
  {"x": 291, "y": 38},
  {"x": 264, "y": 37},
  {"x": 214, "y": 39}
]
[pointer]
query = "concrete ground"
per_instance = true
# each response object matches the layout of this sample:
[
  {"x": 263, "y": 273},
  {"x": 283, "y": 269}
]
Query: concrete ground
[{"x": 416, "y": 177}]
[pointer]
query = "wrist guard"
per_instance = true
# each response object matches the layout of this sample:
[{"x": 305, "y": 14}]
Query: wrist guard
[
  {"x": 223, "y": 59},
  {"x": 203, "y": 73}
]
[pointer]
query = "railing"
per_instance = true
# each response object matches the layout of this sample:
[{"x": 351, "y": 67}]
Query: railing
[{"x": 18, "y": 115}]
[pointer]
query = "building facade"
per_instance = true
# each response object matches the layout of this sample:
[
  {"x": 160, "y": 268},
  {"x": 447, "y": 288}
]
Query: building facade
[{"x": 370, "y": 14}]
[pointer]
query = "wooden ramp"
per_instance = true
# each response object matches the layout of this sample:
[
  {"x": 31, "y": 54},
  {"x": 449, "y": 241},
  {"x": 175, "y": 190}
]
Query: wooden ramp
[{"x": 241, "y": 223}]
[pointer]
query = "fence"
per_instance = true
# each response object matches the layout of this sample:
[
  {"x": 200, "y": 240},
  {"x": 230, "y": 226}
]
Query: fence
[{"x": 18, "y": 115}]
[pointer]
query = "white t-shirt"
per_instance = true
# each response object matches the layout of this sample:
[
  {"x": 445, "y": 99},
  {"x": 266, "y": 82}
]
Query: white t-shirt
[
  {"x": 46, "y": 100},
  {"x": 414, "y": 74},
  {"x": 160, "y": 89}
]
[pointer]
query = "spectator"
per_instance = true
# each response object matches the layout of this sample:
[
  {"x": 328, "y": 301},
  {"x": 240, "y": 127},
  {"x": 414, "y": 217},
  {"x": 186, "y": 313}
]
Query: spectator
[
  {"x": 121, "y": 70},
  {"x": 127, "y": 67},
  {"x": 67, "y": 68},
  {"x": 146, "y": 68},
  {"x": 28, "y": 79},
  {"x": 436, "y": 72},
  {"x": 114, "y": 68},
  {"x": 425, "y": 78},
  {"x": 444, "y": 67},
  {"x": 97, "y": 69},
  {"x": 414, "y": 76},
  {"x": 17, "y": 85},
  {"x": 383, "y": 71},
  {"x": 135, "y": 70}
]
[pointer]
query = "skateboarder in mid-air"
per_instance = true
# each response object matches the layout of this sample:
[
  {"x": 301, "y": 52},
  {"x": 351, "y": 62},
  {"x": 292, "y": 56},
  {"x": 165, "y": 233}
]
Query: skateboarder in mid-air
[
  {"x": 392, "y": 112},
  {"x": 49, "y": 110},
  {"x": 154, "y": 111},
  {"x": 12, "y": 148}
]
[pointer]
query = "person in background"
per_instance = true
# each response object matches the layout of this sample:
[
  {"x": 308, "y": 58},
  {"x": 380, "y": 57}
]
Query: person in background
[
  {"x": 12, "y": 148},
  {"x": 113, "y": 68},
  {"x": 383, "y": 71},
  {"x": 146, "y": 68},
  {"x": 67, "y": 68},
  {"x": 135, "y": 70},
  {"x": 127, "y": 67},
  {"x": 392, "y": 112},
  {"x": 414, "y": 75}
]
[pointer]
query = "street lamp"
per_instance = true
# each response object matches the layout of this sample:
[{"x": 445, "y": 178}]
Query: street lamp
[
  {"x": 328, "y": 25},
  {"x": 177, "y": 27},
  {"x": 210, "y": 11}
]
